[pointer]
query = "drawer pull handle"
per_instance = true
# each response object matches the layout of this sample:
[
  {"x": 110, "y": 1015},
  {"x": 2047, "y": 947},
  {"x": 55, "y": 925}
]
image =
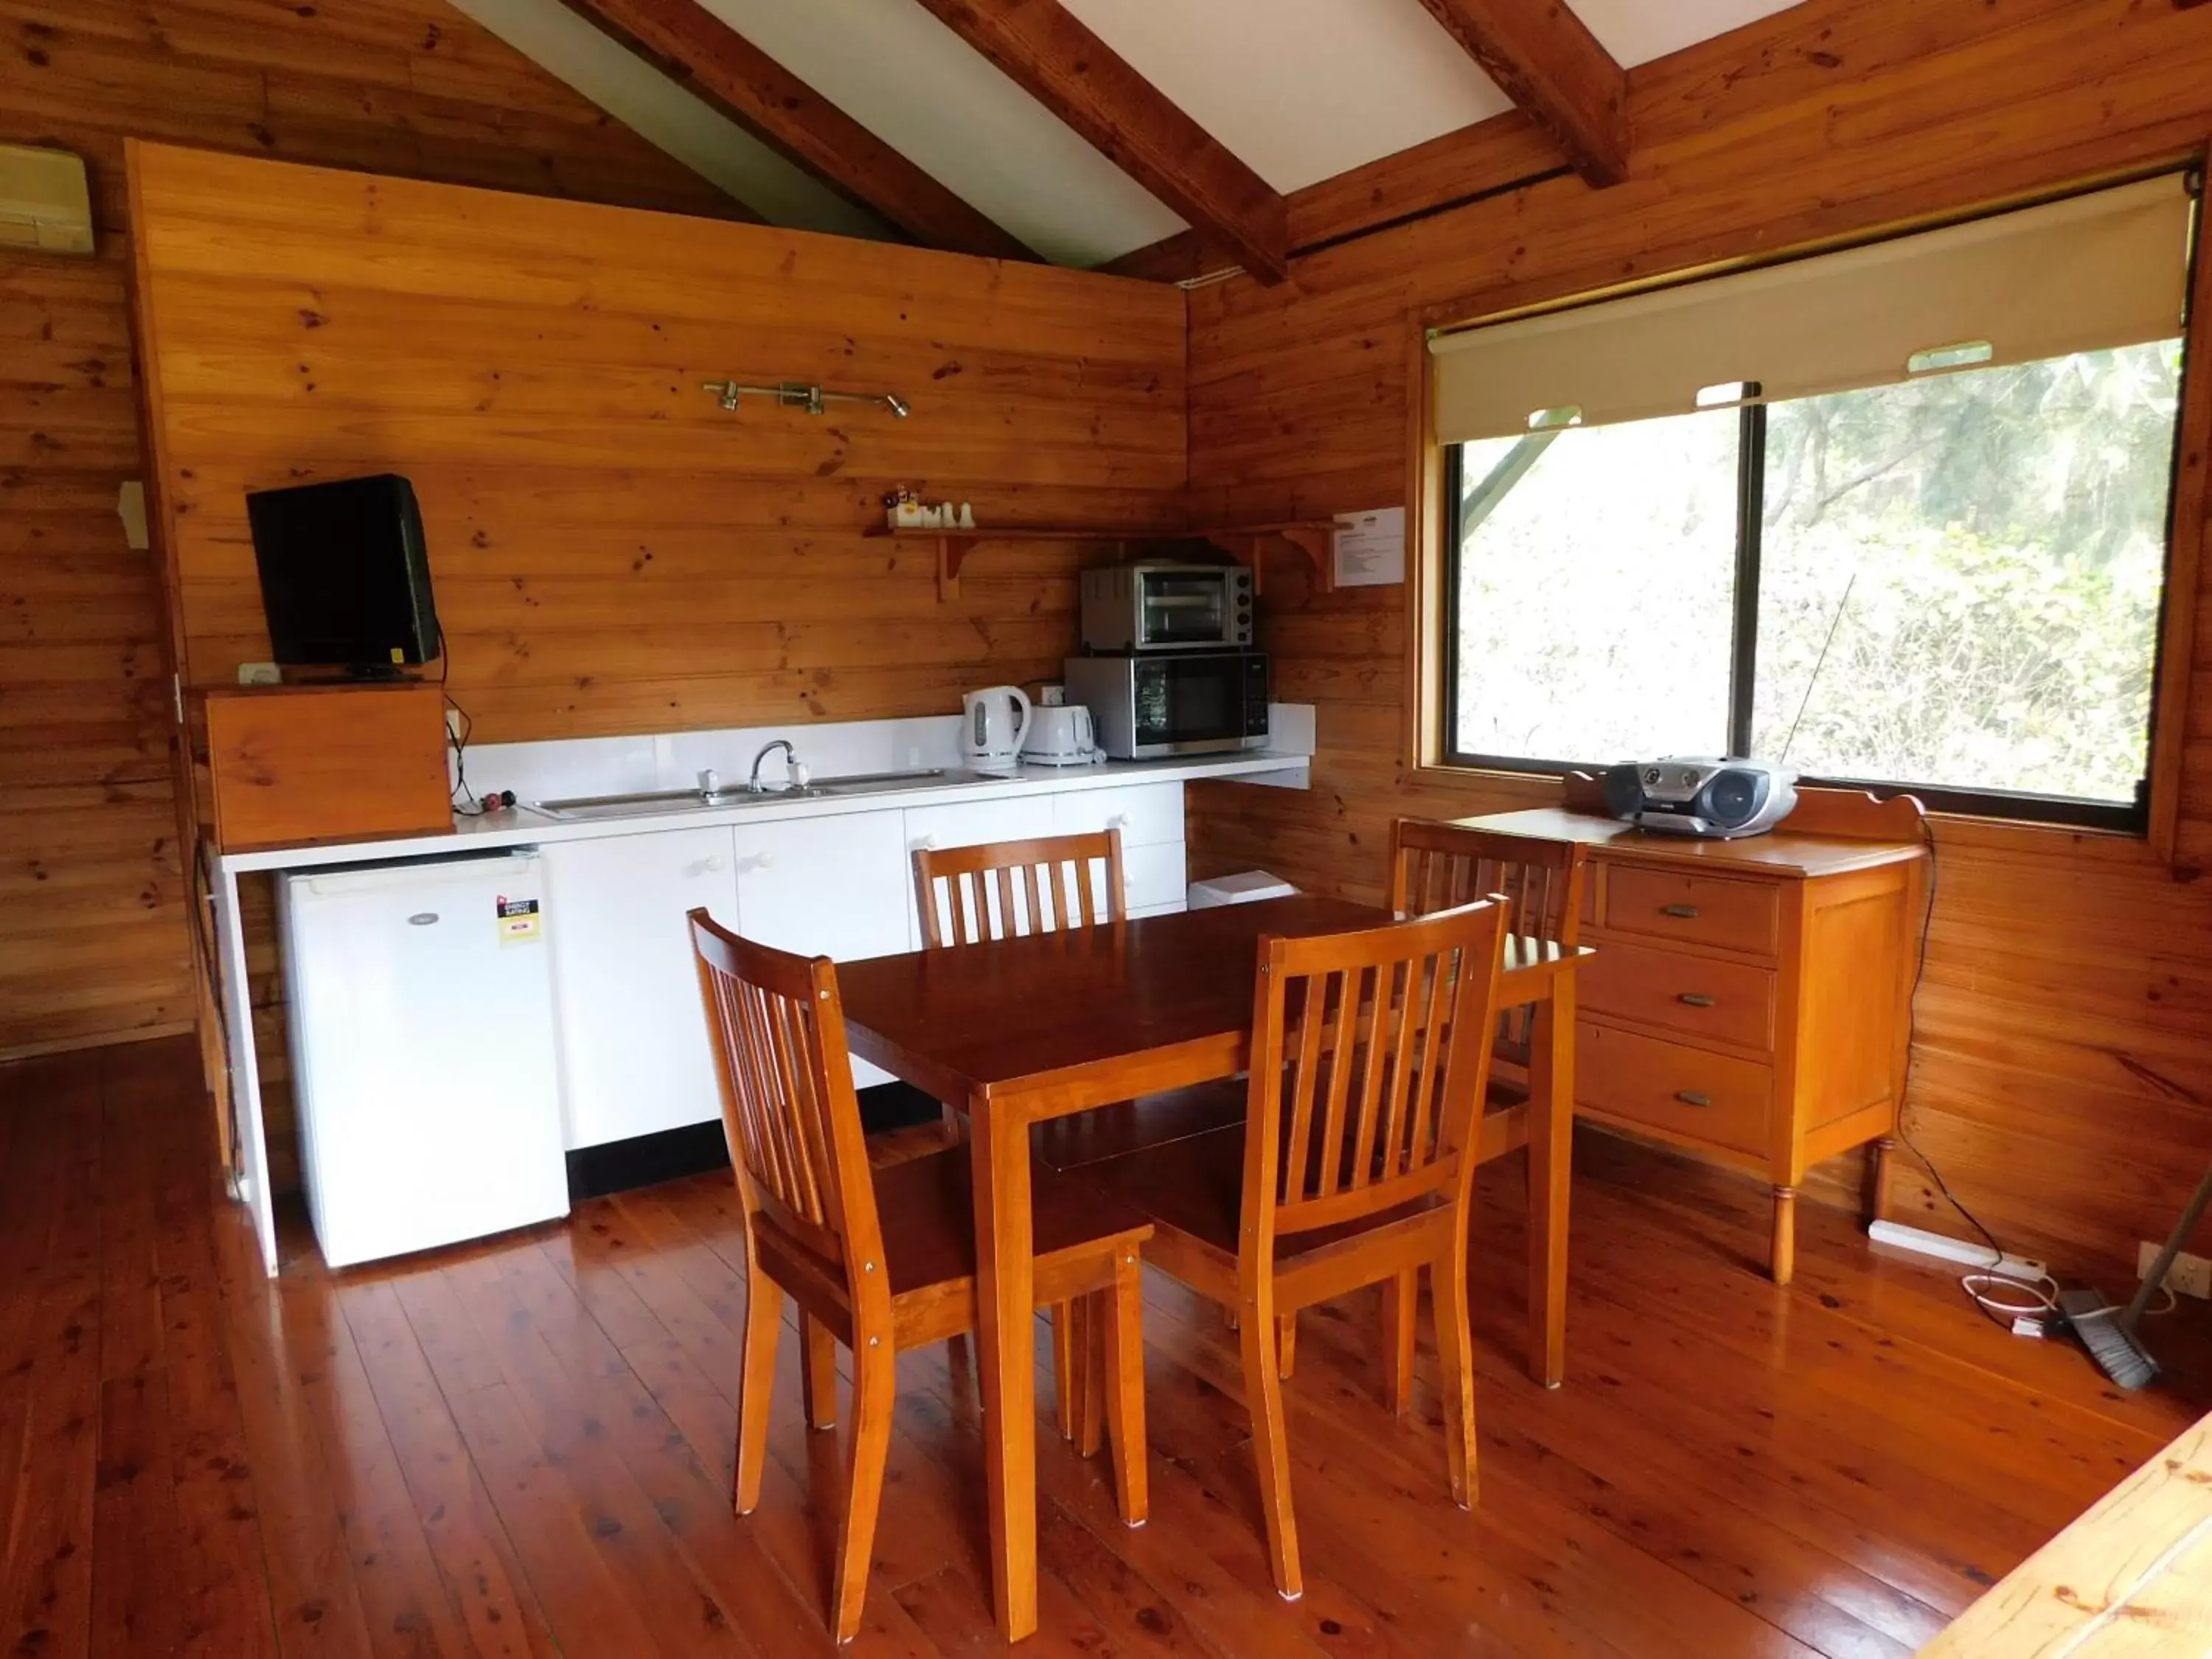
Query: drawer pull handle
[
  {"x": 1692, "y": 1098},
  {"x": 1686, "y": 912},
  {"x": 1696, "y": 1000}
]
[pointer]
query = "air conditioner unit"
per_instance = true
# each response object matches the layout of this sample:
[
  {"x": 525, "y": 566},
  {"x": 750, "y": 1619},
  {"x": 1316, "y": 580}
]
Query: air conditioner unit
[{"x": 45, "y": 204}]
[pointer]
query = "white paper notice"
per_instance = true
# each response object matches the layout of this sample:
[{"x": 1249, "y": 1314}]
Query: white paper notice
[{"x": 1371, "y": 547}]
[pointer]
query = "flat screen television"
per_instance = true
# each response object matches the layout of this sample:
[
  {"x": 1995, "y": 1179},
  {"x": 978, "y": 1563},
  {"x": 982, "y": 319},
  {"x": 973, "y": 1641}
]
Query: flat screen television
[{"x": 345, "y": 580}]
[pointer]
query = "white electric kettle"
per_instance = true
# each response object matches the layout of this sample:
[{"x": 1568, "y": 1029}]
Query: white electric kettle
[{"x": 994, "y": 722}]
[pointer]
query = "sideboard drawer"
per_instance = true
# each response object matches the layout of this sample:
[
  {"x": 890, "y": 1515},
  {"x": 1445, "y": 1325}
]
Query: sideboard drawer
[
  {"x": 1691, "y": 1092},
  {"x": 1733, "y": 915},
  {"x": 1699, "y": 996}
]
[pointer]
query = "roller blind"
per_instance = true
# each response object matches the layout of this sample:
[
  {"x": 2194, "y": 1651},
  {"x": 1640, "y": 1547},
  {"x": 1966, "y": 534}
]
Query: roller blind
[{"x": 2087, "y": 273}]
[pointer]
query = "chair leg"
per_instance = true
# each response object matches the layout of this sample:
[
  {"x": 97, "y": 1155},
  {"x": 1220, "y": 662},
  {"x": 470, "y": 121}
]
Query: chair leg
[
  {"x": 1122, "y": 1331},
  {"x": 1095, "y": 1377},
  {"x": 1456, "y": 1368},
  {"x": 1257, "y": 1330},
  {"x": 1402, "y": 1302},
  {"x": 1065, "y": 1394},
  {"x": 818, "y": 1372},
  {"x": 875, "y": 1379},
  {"x": 763, "y": 1324},
  {"x": 1286, "y": 1345}
]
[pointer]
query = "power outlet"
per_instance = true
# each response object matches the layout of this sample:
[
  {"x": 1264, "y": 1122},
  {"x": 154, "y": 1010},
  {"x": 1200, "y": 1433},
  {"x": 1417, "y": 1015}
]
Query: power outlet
[{"x": 2190, "y": 1275}]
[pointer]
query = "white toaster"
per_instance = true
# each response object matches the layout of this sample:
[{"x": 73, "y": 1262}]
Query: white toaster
[{"x": 1060, "y": 735}]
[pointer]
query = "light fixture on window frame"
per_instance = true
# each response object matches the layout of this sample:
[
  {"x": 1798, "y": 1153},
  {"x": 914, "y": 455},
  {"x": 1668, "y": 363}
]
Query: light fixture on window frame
[
  {"x": 1729, "y": 394},
  {"x": 1963, "y": 354}
]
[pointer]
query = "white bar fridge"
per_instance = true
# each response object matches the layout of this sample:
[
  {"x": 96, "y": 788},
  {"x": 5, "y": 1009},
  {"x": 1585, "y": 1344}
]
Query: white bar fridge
[{"x": 423, "y": 1053}]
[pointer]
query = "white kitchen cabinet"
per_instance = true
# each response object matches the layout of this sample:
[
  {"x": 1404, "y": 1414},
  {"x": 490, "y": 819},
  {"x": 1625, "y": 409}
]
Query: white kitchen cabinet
[
  {"x": 1150, "y": 817},
  {"x": 632, "y": 1032},
  {"x": 1154, "y": 878},
  {"x": 836, "y": 887},
  {"x": 1146, "y": 814}
]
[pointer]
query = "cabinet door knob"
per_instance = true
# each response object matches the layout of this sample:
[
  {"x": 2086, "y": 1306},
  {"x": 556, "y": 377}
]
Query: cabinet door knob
[
  {"x": 764, "y": 861},
  {"x": 1696, "y": 1000},
  {"x": 713, "y": 863},
  {"x": 1119, "y": 821},
  {"x": 926, "y": 844},
  {"x": 1686, "y": 912},
  {"x": 1692, "y": 1098}
]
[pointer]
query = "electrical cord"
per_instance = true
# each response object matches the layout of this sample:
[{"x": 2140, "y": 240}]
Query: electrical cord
[
  {"x": 2036, "y": 1298},
  {"x": 464, "y": 800},
  {"x": 1912, "y": 1032},
  {"x": 1998, "y": 1312}
]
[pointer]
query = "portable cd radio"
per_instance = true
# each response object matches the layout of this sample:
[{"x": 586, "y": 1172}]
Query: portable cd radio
[{"x": 1689, "y": 795}]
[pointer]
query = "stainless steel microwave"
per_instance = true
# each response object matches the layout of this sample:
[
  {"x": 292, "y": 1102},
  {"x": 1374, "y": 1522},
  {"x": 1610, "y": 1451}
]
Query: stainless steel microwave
[
  {"x": 1146, "y": 705},
  {"x": 1166, "y": 607}
]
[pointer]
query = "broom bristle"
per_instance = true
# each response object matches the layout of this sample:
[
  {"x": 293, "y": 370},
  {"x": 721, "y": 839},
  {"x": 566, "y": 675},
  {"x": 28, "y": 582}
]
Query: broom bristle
[{"x": 2110, "y": 1343}]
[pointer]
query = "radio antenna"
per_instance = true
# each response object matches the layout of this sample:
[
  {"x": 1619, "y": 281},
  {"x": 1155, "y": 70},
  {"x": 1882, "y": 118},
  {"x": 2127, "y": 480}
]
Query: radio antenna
[{"x": 1818, "y": 663}]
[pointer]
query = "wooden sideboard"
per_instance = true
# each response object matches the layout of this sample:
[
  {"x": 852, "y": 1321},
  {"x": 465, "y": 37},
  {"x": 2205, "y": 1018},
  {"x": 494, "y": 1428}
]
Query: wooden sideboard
[{"x": 1750, "y": 1001}]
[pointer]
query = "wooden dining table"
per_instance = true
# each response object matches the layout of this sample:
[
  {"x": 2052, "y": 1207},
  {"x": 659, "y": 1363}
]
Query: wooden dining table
[{"x": 1015, "y": 1031}]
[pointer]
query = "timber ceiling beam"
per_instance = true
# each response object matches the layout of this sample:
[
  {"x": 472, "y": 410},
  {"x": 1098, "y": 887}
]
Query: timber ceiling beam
[
  {"x": 1048, "y": 52},
  {"x": 693, "y": 45},
  {"x": 1544, "y": 58}
]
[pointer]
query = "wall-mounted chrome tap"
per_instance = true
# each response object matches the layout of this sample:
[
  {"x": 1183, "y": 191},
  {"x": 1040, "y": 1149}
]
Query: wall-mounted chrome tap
[{"x": 794, "y": 768}]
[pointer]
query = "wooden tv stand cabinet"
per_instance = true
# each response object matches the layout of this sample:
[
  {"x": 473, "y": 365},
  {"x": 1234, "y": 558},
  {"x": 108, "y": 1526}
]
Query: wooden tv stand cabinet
[{"x": 1750, "y": 1001}]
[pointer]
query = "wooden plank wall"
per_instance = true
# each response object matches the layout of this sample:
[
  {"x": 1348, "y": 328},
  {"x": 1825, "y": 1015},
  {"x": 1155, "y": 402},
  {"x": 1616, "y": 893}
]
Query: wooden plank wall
[
  {"x": 90, "y": 885},
  {"x": 2063, "y": 1072},
  {"x": 611, "y": 550}
]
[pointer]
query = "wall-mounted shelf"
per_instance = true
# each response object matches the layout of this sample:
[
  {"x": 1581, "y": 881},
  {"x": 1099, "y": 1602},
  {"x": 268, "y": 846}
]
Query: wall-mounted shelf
[
  {"x": 953, "y": 546},
  {"x": 1244, "y": 543}
]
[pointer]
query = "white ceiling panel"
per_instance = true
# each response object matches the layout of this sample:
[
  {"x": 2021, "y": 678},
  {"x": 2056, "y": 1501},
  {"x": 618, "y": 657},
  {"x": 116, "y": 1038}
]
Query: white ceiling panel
[
  {"x": 666, "y": 115},
  {"x": 1636, "y": 31},
  {"x": 899, "y": 72},
  {"x": 1301, "y": 89}
]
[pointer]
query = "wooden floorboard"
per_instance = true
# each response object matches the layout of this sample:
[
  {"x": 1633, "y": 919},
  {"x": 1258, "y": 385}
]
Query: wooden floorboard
[{"x": 523, "y": 1448}]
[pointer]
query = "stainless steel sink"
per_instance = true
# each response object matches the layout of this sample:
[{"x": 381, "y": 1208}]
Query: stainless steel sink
[
  {"x": 584, "y": 809},
  {"x": 869, "y": 783}
]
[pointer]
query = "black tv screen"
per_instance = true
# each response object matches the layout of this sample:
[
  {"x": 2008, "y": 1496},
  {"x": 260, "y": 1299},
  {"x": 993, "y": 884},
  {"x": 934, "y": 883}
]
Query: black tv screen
[{"x": 346, "y": 581}]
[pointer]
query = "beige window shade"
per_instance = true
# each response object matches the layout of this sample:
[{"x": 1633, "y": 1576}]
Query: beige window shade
[{"x": 2088, "y": 273}]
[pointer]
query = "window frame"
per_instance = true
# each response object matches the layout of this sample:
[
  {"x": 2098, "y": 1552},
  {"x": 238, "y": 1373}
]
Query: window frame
[{"x": 2132, "y": 818}]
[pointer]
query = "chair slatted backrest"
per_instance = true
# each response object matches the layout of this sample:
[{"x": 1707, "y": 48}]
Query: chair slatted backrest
[
  {"x": 1436, "y": 866},
  {"x": 788, "y": 1110},
  {"x": 1006, "y": 888},
  {"x": 1362, "y": 1098}
]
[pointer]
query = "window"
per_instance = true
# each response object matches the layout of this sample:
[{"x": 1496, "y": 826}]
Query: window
[{"x": 1949, "y": 581}]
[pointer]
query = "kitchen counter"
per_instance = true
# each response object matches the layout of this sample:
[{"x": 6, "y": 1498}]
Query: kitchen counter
[
  {"x": 519, "y": 827},
  {"x": 842, "y": 884}
]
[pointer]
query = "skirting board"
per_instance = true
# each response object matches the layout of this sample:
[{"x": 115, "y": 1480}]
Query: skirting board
[{"x": 1965, "y": 1253}]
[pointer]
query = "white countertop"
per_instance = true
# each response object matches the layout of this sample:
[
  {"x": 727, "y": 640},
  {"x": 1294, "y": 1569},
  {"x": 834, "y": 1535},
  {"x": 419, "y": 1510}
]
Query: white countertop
[{"x": 516, "y": 827}]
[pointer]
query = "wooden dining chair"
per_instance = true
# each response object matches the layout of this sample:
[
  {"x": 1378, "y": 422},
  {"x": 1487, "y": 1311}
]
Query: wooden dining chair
[
  {"x": 1354, "y": 1165},
  {"x": 882, "y": 1262},
  {"x": 1436, "y": 865},
  {"x": 1009, "y": 889},
  {"x": 1005, "y": 889}
]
